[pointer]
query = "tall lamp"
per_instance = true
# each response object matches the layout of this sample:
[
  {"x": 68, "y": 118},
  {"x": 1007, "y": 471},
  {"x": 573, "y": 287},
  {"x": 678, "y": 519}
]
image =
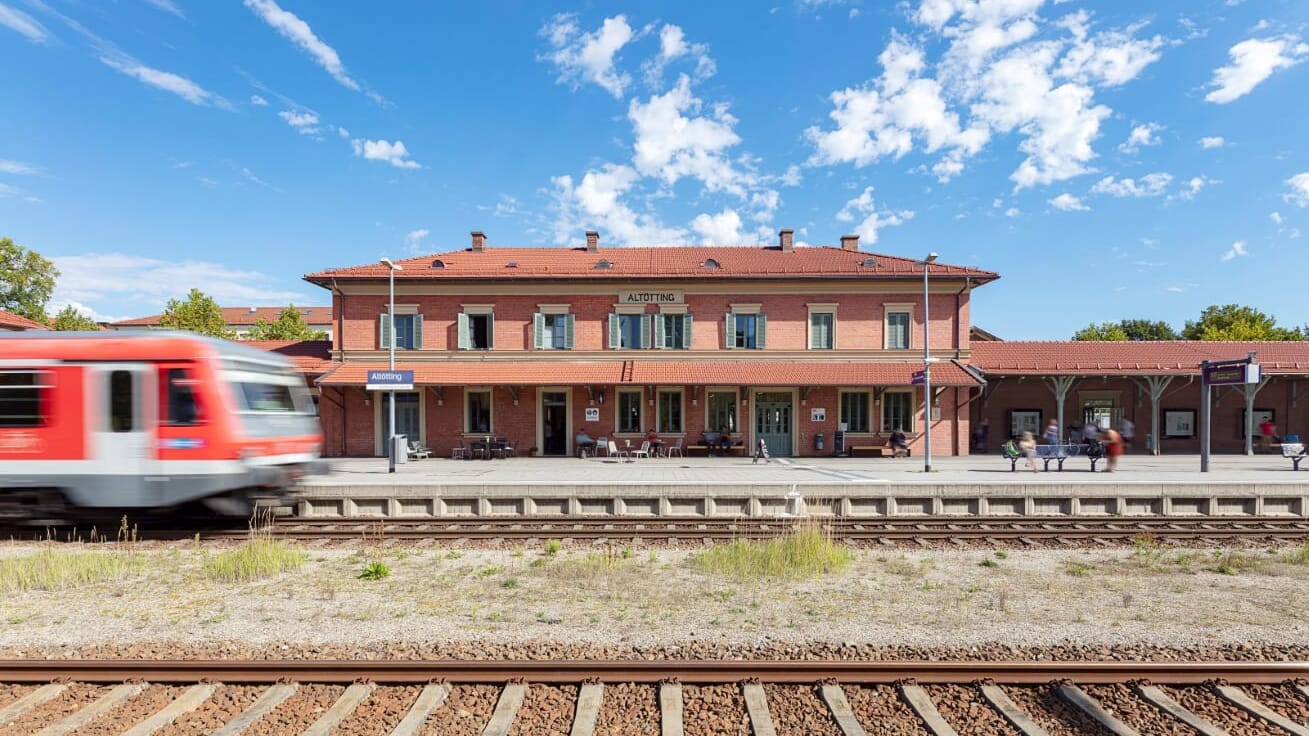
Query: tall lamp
[
  {"x": 390, "y": 343},
  {"x": 927, "y": 371}
]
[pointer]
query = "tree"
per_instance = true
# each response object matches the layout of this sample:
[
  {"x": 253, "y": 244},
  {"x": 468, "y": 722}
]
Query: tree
[
  {"x": 69, "y": 319},
  {"x": 289, "y": 325},
  {"x": 1102, "y": 331},
  {"x": 1144, "y": 329},
  {"x": 198, "y": 313},
  {"x": 26, "y": 280},
  {"x": 1236, "y": 322}
]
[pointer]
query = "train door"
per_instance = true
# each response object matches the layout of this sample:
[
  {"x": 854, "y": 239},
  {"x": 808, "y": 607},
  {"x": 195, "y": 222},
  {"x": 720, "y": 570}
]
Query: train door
[{"x": 122, "y": 426}]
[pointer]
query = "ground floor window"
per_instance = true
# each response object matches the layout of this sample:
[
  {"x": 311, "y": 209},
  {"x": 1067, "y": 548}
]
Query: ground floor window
[
  {"x": 722, "y": 412},
  {"x": 629, "y": 412},
  {"x": 897, "y": 411},
  {"x": 854, "y": 411},
  {"x": 670, "y": 411},
  {"x": 478, "y": 411}
]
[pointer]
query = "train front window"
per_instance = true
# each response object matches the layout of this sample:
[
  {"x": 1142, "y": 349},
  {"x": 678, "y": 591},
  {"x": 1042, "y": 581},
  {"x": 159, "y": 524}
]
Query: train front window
[
  {"x": 20, "y": 398},
  {"x": 265, "y": 397}
]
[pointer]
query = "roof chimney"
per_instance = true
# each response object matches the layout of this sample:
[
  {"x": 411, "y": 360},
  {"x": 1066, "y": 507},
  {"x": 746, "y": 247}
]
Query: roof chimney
[
  {"x": 592, "y": 241},
  {"x": 849, "y": 242},
  {"x": 479, "y": 241},
  {"x": 787, "y": 241}
]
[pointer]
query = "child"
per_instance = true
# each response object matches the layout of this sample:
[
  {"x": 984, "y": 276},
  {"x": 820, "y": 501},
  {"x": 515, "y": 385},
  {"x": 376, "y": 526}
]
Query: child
[{"x": 1027, "y": 446}]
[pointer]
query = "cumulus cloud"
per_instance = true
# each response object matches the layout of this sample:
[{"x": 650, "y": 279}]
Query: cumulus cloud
[
  {"x": 304, "y": 122},
  {"x": 1253, "y": 61},
  {"x": 1150, "y": 185},
  {"x": 393, "y": 153},
  {"x": 1276, "y": 217},
  {"x": 1068, "y": 203},
  {"x": 166, "y": 81},
  {"x": 996, "y": 77},
  {"x": 723, "y": 228},
  {"x": 24, "y": 24},
  {"x": 1193, "y": 186},
  {"x": 1140, "y": 137},
  {"x": 1212, "y": 141},
  {"x": 1298, "y": 191},
  {"x": 1237, "y": 249},
  {"x": 874, "y": 219},
  {"x": 298, "y": 32},
  {"x": 589, "y": 57},
  {"x": 674, "y": 140},
  {"x": 672, "y": 47},
  {"x": 414, "y": 241},
  {"x": 596, "y": 201}
]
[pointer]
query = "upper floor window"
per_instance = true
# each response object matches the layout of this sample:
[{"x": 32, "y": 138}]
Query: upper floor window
[
  {"x": 673, "y": 331},
  {"x": 552, "y": 331},
  {"x": 629, "y": 331},
  {"x": 408, "y": 330},
  {"x": 746, "y": 331},
  {"x": 476, "y": 331},
  {"x": 820, "y": 331},
  {"x": 897, "y": 329}
]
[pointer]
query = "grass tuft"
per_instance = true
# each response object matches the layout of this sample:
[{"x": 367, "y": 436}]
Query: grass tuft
[
  {"x": 375, "y": 571},
  {"x": 806, "y": 553},
  {"x": 60, "y": 569},
  {"x": 258, "y": 558}
]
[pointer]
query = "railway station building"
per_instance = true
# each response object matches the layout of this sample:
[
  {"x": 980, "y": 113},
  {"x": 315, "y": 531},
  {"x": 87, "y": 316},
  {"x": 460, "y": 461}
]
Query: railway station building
[{"x": 783, "y": 343}]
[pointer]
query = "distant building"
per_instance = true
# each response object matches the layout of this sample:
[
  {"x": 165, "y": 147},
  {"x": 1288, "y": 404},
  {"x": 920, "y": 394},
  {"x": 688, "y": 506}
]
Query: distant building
[
  {"x": 241, "y": 319},
  {"x": 10, "y": 322}
]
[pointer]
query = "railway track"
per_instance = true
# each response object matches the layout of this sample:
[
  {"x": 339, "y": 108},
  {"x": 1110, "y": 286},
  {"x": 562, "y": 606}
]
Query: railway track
[{"x": 497, "y": 698}]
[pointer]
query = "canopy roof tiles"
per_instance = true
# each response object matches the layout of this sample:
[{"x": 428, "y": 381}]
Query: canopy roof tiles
[
  {"x": 651, "y": 264},
  {"x": 1135, "y": 358}
]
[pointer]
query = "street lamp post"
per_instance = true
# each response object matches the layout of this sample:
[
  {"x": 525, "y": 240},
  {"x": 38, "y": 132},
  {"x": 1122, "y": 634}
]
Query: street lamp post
[
  {"x": 927, "y": 372},
  {"x": 390, "y": 343}
]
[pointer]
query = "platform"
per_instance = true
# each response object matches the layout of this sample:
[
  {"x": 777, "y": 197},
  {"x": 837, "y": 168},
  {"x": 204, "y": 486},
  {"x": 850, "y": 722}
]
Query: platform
[{"x": 976, "y": 486}]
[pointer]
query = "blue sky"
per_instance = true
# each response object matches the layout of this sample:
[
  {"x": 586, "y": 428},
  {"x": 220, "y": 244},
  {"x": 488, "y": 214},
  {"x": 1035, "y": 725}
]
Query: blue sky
[{"x": 1109, "y": 159}]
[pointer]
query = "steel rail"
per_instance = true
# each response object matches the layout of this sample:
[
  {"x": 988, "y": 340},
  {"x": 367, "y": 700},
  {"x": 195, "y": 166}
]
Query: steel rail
[{"x": 642, "y": 671}]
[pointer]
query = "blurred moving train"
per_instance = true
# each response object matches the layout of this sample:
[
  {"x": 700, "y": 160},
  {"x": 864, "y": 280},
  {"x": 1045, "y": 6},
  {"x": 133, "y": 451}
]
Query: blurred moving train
[{"x": 99, "y": 422}]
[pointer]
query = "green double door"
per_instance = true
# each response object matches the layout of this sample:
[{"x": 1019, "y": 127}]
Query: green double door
[{"x": 773, "y": 422}]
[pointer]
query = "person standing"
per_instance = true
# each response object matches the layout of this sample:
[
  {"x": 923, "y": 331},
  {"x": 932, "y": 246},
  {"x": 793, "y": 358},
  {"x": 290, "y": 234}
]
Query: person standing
[
  {"x": 1266, "y": 432},
  {"x": 1090, "y": 432},
  {"x": 1113, "y": 448},
  {"x": 1052, "y": 433},
  {"x": 1128, "y": 431}
]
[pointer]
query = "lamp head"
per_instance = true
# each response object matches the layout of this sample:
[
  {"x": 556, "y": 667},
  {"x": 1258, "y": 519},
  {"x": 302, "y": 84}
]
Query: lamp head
[
  {"x": 391, "y": 264},
  {"x": 931, "y": 257}
]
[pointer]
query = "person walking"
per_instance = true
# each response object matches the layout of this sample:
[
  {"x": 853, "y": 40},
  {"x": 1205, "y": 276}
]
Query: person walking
[
  {"x": 1266, "y": 432},
  {"x": 1127, "y": 428},
  {"x": 1113, "y": 448},
  {"x": 1052, "y": 433},
  {"x": 1027, "y": 446}
]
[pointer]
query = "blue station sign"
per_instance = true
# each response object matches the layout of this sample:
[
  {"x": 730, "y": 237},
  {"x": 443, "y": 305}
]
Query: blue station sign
[
  {"x": 390, "y": 380},
  {"x": 917, "y": 378}
]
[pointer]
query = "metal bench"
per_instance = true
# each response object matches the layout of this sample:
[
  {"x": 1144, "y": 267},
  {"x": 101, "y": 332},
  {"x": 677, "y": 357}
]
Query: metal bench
[
  {"x": 1295, "y": 451},
  {"x": 1057, "y": 454}
]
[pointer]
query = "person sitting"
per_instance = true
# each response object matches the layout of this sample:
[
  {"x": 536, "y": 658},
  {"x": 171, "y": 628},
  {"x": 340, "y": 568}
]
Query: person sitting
[
  {"x": 899, "y": 446},
  {"x": 656, "y": 444},
  {"x": 725, "y": 440},
  {"x": 585, "y": 445}
]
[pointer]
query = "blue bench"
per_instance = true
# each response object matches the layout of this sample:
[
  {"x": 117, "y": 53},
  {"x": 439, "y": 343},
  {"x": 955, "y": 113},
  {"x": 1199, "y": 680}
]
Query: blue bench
[{"x": 1057, "y": 454}]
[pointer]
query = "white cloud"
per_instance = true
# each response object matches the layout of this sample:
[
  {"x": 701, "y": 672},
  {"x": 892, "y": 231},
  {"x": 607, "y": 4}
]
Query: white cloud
[
  {"x": 258, "y": 101},
  {"x": 393, "y": 153},
  {"x": 1299, "y": 190},
  {"x": 414, "y": 241},
  {"x": 168, "y": 6},
  {"x": 874, "y": 220},
  {"x": 589, "y": 57},
  {"x": 723, "y": 228},
  {"x": 23, "y": 23},
  {"x": 1013, "y": 212},
  {"x": 167, "y": 81},
  {"x": 16, "y": 167},
  {"x": 249, "y": 175},
  {"x": 596, "y": 202},
  {"x": 8, "y": 191},
  {"x": 1253, "y": 61},
  {"x": 1112, "y": 58},
  {"x": 1193, "y": 186},
  {"x": 1237, "y": 249},
  {"x": 1140, "y": 137},
  {"x": 207, "y": 181},
  {"x": 505, "y": 206},
  {"x": 1151, "y": 185},
  {"x": 792, "y": 177},
  {"x": 673, "y": 46},
  {"x": 673, "y": 140},
  {"x": 343, "y": 132},
  {"x": 98, "y": 277},
  {"x": 304, "y": 122},
  {"x": 57, "y": 305},
  {"x": 1068, "y": 203},
  {"x": 1276, "y": 217},
  {"x": 1212, "y": 141},
  {"x": 299, "y": 33}
]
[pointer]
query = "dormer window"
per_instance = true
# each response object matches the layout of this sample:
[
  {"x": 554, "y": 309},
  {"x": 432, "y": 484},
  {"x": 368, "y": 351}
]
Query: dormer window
[
  {"x": 438, "y": 263},
  {"x": 603, "y": 264},
  {"x": 870, "y": 263},
  {"x": 511, "y": 264},
  {"x": 710, "y": 263}
]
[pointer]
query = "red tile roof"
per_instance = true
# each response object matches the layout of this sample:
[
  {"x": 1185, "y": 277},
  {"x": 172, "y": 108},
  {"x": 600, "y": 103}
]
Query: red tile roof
[
  {"x": 10, "y": 321},
  {"x": 245, "y": 316},
  {"x": 1180, "y": 357},
  {"x": 651, "y": 263},
  {"x": 640, "y": 372},
  {"x": 312, "y": 357}
]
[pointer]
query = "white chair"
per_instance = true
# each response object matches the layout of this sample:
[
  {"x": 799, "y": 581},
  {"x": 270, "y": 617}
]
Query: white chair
[
  {"x": 644, "y": 451},
  {"x": 601, "y": 445},
  {"x": 460, "y": 452},
  {"x": 418, "y": 452},
  {"x": 612, "y": 450},
  {"x": 676, "y": 448}
]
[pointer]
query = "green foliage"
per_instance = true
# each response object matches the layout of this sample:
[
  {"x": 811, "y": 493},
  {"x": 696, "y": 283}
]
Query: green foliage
[
  {"x": 199, "y": 313},
  {"x": 53, "y": 568},
  {"x": 289, "y": 325},
  {"x": 1078, "y": 569},
  {"x": 988, "y": 562},
  {"x": 71, "y": 320},
  {"x": 259, "y": 558},
  {"x": 1127, "y": 329},
  {"x": 1236, "y": 322},
  {"x": 375, "y": 571},
  {"x": 1102, "y": 331},
  {"x": 804, "y": 554},
  {"x": 552, "y": 547},
  {"x": 1298, "y": 556},
  {"x": 26, "y": 280}
]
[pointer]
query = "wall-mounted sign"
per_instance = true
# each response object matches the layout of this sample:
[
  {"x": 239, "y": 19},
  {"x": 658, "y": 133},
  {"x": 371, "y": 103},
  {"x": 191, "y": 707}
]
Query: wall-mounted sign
[
  {"x": 817, "y": 414},
  {"x": 592, "y": 413},
  {"x": 390, "y": 381},
  {"x": 650, "y": 297}
]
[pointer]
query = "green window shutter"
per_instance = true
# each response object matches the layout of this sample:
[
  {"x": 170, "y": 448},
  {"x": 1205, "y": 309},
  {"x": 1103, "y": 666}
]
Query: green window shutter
[
  {"x": 384, "y": 331},
  {"x": 568, "y": 330},
  {"x": 686, "y": 331},
  {"x": 490, "y": 332},
  {"x": 659, "y": 331},
  {"x": 613, "y": 331},
  {"x": 813, "y": 332},
  {"x": 645, "y": 330},
  {"x": 730, "y": 328},
  {"x": 761, "y": 331},
  {"x": 418, "y": 332},
  {"x": 538, "y": 331},
  {"x": 463, "y": 332}
]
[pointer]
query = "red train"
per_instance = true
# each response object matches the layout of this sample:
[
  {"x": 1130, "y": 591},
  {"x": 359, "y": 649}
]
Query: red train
[{"x": 109, "y": 421}]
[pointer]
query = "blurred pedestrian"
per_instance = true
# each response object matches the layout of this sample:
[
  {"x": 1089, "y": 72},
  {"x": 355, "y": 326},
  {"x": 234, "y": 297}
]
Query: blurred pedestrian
[
  {"x": 1113, "y": 448},
  {"x": 1266, "y": 431},
  {"x": 1027, "y": 446},
  {"x": 1127, "y": 429},
  {"x": 1052, "y": 433},
  {"x": 1090, "y": 432}
]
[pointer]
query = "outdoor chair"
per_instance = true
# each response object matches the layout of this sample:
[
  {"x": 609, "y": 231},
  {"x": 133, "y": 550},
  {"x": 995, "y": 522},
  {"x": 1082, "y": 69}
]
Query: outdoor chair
[
  {"x": 510, "y": 449},
  {"x": 613, "y": 451},
  {"x": 676, "y": 448},
  {"x": 460, "y": 452},
  {"x": 601, "y": 445},
  {"x": 418, "y": 452},
  {"x": 644, "y": 451}
]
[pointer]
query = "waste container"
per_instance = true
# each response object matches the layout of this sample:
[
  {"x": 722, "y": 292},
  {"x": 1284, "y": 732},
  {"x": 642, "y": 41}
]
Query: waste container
[
  {"x": 838, "y": 443},
  {"x": 400, "y": 447},
  {"x": 818, "y": 441},
  {"x": 1149, "y": 442}
]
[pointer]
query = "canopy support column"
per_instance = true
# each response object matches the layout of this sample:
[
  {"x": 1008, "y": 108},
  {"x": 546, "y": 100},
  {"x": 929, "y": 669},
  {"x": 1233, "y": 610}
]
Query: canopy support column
[{"x": 1060, "y": 386}]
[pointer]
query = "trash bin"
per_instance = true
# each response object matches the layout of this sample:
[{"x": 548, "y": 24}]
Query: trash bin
[
  {"x": 1149, "y": 443},
  {"x": 401, "y": 448},
  {"x": 818, "y": 441}
]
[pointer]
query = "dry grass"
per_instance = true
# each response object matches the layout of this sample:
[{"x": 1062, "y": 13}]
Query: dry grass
[
  {"x": 59, "y": 569},
  {"x": 260, "y": 557},
  {"x": 805, "y": 553}
]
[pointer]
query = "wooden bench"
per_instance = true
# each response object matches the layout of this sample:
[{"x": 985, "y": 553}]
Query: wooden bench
[
  {"x": 696, "y": 450},
  {"x": 1294, "y": 451}
]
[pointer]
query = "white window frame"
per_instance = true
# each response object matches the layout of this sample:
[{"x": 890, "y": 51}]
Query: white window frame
[
  {"x": 468, "y": 392},
  {"x": 819, "y": 308},
  {"x": 736, "y": 398},
  {"x": 872, "y": 404},
  {"x": 887, "y": 311},
  {"x": 681, "y": 397},
  {"x": 913, "y": 411},
  {"x": 618, "y": 406}
]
